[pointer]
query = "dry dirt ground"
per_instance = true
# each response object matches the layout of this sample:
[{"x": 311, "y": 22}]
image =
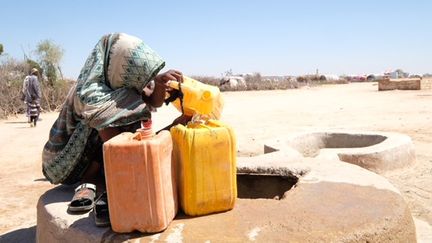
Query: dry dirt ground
[{"x": 255, "y": 116}]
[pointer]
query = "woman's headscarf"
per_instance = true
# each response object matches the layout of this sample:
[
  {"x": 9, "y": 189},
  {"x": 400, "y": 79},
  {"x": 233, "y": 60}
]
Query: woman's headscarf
[
  {"x": 107, "y": 94},
  {"x": 113, "y": 77}
]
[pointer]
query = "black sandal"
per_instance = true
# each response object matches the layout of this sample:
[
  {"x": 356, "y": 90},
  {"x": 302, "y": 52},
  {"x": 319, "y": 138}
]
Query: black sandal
[
  {"x": 100, "y": 211},
  {"x": 83, "y": 199}
]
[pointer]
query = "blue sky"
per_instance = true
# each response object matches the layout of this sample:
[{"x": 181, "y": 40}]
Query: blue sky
[{"x": 211, "y": 37}]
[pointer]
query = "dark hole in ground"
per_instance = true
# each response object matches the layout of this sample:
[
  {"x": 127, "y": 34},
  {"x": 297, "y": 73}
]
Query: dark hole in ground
[{"x": 254, "y": 186}]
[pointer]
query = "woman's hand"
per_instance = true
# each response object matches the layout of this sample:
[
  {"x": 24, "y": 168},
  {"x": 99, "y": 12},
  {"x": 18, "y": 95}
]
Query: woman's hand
[
  {"x": 157, "y": 98},
  {"x": 169, "y": 75}
]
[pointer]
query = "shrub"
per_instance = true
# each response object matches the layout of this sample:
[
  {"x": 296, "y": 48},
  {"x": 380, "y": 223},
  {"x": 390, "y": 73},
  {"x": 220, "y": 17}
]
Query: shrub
[
  {"x": 253, "y": 82},
  {"x": 207, "y": 80},
  {"x": 12, "y": 74}
]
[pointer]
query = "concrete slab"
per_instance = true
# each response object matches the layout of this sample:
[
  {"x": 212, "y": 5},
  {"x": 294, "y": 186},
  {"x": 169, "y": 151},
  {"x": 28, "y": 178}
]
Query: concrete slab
[
  {"x": 423, "y": 231},
  {"x": 375, "y": 151},
  {"x": 329, "y": 201},
  {"x": 426, "y": 83},
  {"x": 401, "y": 84}
]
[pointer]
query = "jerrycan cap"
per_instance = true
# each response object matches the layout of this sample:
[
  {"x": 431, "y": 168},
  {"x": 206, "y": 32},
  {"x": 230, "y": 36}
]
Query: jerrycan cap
[
  {"x": 146, "y": 124},
  {"x": 146, "y": 129},
  {"x": 206, "y": 95}
]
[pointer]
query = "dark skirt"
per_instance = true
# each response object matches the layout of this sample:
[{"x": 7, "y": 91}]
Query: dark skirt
[{"x": 33, "y": 109}]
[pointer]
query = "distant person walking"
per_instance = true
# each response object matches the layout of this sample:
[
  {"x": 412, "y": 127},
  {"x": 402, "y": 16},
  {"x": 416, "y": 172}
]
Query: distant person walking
[{"x": 32, "y": 96}]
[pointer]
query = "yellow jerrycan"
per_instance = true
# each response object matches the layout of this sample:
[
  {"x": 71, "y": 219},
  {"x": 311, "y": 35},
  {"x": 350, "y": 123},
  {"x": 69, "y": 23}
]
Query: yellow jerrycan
[
  {"x": 205, "y": 154},
  {"x": 198, "y": 98},
  {"x": 140, "y": 181}
]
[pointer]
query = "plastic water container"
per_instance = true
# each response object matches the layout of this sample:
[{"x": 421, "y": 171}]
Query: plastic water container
[
  {"x": 205, "y": 154},
  {"x": 198, "y": 98},
  {"x": 140, "y": 180}
]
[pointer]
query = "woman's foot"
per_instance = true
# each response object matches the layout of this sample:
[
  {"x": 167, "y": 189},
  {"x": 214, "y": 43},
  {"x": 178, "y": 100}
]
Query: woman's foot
[
  {"x": 101, "y": 212},
  {"x": 83, "y": 199}
]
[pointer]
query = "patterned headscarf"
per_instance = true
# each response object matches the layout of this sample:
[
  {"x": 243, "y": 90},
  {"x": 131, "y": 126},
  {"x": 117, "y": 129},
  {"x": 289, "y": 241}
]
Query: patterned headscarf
[{"x": 118, "y": 64}]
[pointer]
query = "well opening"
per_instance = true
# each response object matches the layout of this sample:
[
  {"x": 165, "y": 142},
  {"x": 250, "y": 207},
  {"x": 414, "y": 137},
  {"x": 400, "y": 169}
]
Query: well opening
[
  {"x": 343, "y": 140},
  {"x": 253, "y": 186},
  {"x": 311, "y": 144}
]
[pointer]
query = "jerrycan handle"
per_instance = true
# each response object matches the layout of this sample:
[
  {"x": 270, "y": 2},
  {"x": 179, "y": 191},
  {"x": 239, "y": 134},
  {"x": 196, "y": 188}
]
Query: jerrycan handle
[
  {"x": 174, "y": 84},
  {"x": 199, "y": 120}
]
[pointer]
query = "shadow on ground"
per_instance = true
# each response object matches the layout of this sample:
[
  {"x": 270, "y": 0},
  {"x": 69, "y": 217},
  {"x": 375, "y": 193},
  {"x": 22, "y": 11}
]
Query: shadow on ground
[
  {"x": 20, "y": 235},
  {"x": 16, "y": 122}
]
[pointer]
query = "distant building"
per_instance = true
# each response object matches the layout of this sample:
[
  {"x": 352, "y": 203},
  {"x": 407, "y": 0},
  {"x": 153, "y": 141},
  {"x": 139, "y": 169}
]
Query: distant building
[
  {"x": 398, "y": 73},
  {"x": 233, "y": 81},
  {"x": 331, "y": 77}
]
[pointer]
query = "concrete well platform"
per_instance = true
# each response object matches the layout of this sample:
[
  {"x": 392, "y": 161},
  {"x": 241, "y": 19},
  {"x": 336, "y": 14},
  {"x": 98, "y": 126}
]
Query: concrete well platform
[
  {"x": 283, "y": 196},
  {"x": 299, "y": 190}
]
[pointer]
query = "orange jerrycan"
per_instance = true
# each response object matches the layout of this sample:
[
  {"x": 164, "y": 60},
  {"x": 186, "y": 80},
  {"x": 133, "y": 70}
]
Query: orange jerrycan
[
  {"x": 198, "y": 98},
  {"x": 205, "y": 154},
  {"x": 140, "y": 180}
]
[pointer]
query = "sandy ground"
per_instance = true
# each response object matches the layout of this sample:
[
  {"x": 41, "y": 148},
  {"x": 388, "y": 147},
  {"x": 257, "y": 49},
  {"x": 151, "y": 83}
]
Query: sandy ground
[{"x": 255, "y": 116}]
